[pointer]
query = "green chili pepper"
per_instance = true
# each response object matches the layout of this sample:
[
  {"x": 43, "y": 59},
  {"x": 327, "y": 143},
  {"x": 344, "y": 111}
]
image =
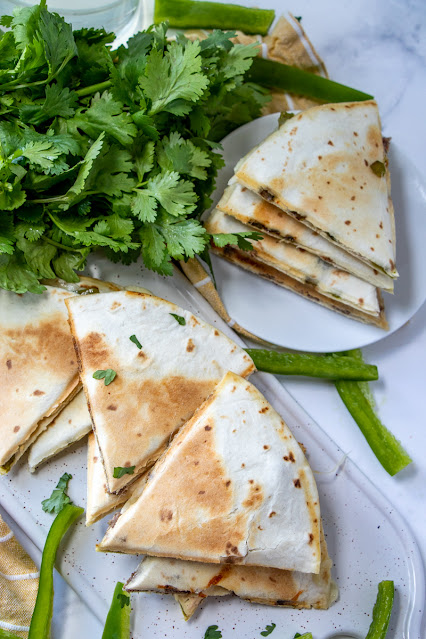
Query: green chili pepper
[
  {"x": 190, "y": 14},
  {"x": 292, "y": 80},
  {"x": 5, "y": 634},
  {"x": 42, "y": 615},
  {"x": 117, "y": 625},
  {"x": 333, "y": 366},
  {"x": 381, "y": 611},
  {"x": 357, "y": 399}
]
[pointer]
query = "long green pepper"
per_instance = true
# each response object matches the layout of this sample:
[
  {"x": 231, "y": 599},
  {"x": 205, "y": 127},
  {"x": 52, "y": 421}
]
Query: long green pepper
[
  {"x": 382, "y": 611},
  {"x": 42, "y": 615},
  {"x": 333, "y": 366},
  {"x": 117, "y": 625}
]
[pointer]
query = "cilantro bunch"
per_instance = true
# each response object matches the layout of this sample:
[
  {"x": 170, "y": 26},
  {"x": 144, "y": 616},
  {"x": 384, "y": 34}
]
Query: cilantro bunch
[{"x": 112, "y": 149}]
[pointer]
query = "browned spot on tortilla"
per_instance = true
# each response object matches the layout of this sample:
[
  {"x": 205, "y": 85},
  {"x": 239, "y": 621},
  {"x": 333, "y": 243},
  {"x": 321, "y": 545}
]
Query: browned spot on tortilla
[
  {"x": 297, "y": 483},
  {"x": 291, "y": 456},
  {"x": 266, "y": 447},
  {"x": 353, "y": 197},
  {"x": 347, "y": 222},
  {"x": 311, "y": 538},
  {"x": 365, "y": 162},
  {"x": 94, "y": 351},
  {"x": 9, "y": 364},
  {"x": 190, "y": 346},
  {"x": 320, "y": 157},
  {"x": 115, "y": 305},
  {"x": 95, "y": 459},
  {"x": 207, "y": 427},
  {"x": 16, "y": 428},
  {"x": 272, "y": 514},
  {"x": 228, "y": 483},
  {"x": 330, "y": 143},
  {"x": 216, "y": 332},
  {"x": 264, "y": 409},
  {"x": 37, "y": 393},
  {"x": 381, "y": 225},
  {"x": 355, "y": 134},
  {"x": 371, "y": 248},
  {"x": 166, "y": 514},
  {"x": 112, "y": 407},
  {"x": 233, "y": 389},
  {"x": 361, "y": 300},
  {"x": 392, "y": 264},
  {"x": 201, "y": 492}
]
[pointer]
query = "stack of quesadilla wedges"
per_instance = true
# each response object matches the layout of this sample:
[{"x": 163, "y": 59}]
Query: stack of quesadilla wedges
[
  {"x": 231, "y": 506},
  {"x": 318, "y": 189}
]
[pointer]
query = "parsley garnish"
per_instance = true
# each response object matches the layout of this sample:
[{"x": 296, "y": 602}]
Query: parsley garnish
[
  {"x": 107, "y": 375},
  {"x": 135, "y": 340},
  {"x": 123, "y": 599},
  {"x": 58, "y": 499},
  {"x": 284, "y": 116},
  {"x": 180, "y": 320},
  {"x": 268, "y": 630},
  {"x": 378, "y": 168},
  {"x": 212, "y": 632},
  {"x": 119, "y": 471},
  {"x": 113, "y": 149}
]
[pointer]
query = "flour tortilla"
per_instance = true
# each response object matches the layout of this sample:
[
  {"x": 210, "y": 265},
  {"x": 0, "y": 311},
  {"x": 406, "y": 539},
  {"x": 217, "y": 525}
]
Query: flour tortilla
[
  {"x": 249, "y": 208},
  {"x": 39, "y": 372},
  {"x": 192, "y": 581},
  {"x": 159, "y": 386},
  {"x": 68, "y": 427},
  {"x": 233, "y": 487},
  {"x": 316, "y": 167},
  {"x": 304, "y": 272},
  {"x": 100, "y": 502}
]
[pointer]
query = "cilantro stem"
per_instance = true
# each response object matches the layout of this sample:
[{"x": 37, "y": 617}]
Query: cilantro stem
[
  {"x": 94, "y": 88},
  {"x": 61, "y": 246}
]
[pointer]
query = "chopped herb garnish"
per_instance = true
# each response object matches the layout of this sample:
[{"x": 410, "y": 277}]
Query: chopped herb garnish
[
  {"x": 123, "y": 599},
  {"x": 58, "y": 499},
  {"x": 119, "y": 471},
  {"x": 107, "y": 375},
  {"x": 378, "y": 168},
  {"x": 306, "y": 635},
  {"x": 268, "y": 630},
  {"x": 135, "y": 340},
  {"x": 236, "y": 239},
  {"x": 213, "y": 632},
  {"x": 284, "y": 116},
  {"x": 298, "y": 18},
  {"x": 180, "y": 320}
]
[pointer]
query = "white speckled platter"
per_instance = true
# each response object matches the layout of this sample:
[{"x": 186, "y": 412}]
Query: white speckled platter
[{"x": 367, "y": 538}]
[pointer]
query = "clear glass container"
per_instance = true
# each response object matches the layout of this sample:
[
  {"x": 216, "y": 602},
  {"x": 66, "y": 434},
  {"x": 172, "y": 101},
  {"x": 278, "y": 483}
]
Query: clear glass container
[{"x": 123, "y": 17}]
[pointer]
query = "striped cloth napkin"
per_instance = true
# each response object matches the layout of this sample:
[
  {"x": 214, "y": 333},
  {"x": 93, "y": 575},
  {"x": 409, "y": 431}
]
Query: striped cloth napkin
[
  {"x": 289, "y": 44},
  {"x": 18, "y": 584}
]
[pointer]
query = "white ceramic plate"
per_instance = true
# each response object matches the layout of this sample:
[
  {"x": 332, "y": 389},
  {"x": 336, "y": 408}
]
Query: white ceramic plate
[{"x": 284, "y": 318}]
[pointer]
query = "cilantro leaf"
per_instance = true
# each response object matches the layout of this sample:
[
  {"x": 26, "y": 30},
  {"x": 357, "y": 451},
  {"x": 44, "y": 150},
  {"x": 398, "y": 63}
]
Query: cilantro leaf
[
  {"x": 106, "y": 115},
  {"x": 175, "y": 74},
  {"x": 176, "y": 196},
  {"x": 15, "y": 274},
  {"x": 107, "y": 375},
  {"x": 176, "y": 154},
  {"x": 58, "y": 499},
  {"x": 123, "y": 599},
  {"x": 135, "y": 340},
  {"x": 237, "y": 239},
  {"x": 59, "y": 43},
  {"x": 184, "y": 239},
  {"x": 268, "y": 630},
  {"x": 67, "y": 263},
  {"x": 144, "y": 160},
  {"x": 154, "y": 250},
  {"x": 180, "y": 320},
  {"x": 119, "y": 472},
  {"x": 213, "y": 632},
  {"x": 58, "y": 101}
]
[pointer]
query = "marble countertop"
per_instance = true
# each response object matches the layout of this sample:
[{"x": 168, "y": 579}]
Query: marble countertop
[{"x": 378, "y": 46}]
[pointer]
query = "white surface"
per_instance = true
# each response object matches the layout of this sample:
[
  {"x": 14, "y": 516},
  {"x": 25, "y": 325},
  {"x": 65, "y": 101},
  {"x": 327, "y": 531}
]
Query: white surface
[
  {"x": 379, "y": 47},
  {"x": 284, "y": 318},
  {"x": 366, "y": 537}
]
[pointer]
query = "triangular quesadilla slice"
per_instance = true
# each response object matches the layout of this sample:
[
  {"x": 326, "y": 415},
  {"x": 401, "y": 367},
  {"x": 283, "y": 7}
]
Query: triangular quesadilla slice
[
  {"x": 257, "y": 584},
  {"x": 233, "y": 487},
  {"x": 303, "y": 273},
  {"x": 39, "y": 372},
  {"x": 68, "y": 427},
  {"x": 249, "y": 208},
  {"x": 327, "y": 167},
  {"x": 99, "y": 501},
  {"x": 166, "y": 361}
]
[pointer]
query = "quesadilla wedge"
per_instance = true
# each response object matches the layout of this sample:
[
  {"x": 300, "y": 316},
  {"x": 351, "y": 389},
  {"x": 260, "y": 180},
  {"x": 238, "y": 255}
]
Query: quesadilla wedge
[
  {"x": 327, "y": 167},
  {"x": 233, "y": 487},
  {"x": 99, "y": 501},
  {"x": 39, "y": 373},
  {"x": 303, "y": 273},
  {"x": 249, "y": 208},
  {"x": 254, "y": 583},
  {"x": 161, "y": 378},
  {"x": 68, "y": 427}
]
